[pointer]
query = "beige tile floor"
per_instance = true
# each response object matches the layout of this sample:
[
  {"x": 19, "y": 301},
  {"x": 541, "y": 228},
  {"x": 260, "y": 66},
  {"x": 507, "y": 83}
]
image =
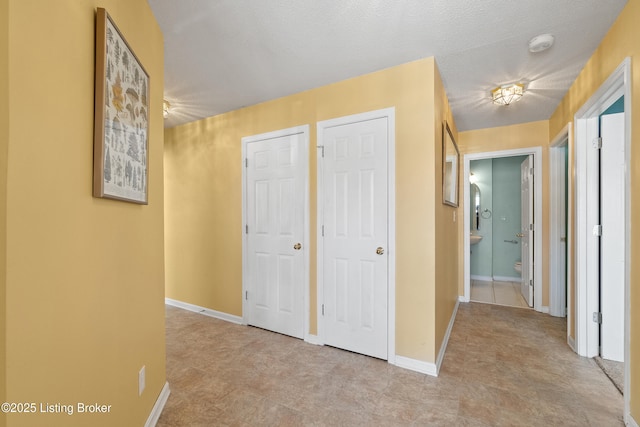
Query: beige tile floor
[
  {"x": 503, "y": 367},
  {"x": 502, "y": 293}
]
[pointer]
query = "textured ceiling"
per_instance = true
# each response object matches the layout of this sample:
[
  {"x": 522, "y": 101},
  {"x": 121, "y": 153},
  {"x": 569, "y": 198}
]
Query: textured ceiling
[{"x": 221, "y": 55}]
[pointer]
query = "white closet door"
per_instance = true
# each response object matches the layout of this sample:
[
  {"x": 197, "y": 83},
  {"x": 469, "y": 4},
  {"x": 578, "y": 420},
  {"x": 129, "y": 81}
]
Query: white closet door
[
  {"x": 612, "y": 265},
  {"x": 355, "y": 236},
  {"x": 275, "y": 226}
]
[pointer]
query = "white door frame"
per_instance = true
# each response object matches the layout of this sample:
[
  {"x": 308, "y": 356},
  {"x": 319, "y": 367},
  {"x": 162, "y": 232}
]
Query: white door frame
[
  {"x": 538, "y": 225},
  {"x": 388, "y": 113},
  {"x": 304, "y": 130},
  {"x": 587, "y": 332},
  {"x": 559, "y": 227}
]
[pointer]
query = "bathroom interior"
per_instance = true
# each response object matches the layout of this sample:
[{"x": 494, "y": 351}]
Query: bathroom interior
[{"x": 495, "y": 204}]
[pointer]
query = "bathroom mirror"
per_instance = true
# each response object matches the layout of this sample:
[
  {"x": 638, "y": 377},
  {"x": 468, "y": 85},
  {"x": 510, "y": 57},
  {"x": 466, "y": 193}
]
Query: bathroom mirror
[
  {"x": 475, "y": 207},
  {"x": 450, "y": 161}
]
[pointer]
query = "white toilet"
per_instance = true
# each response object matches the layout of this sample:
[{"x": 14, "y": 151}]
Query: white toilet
[{"x": 518, "y": 266}]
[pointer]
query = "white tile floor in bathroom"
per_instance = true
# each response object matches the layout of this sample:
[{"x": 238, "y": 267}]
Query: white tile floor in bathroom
[{"x": 501, "y": 293}]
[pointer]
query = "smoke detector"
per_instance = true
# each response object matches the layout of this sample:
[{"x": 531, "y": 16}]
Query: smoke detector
[{"x": 540, "y": 43}]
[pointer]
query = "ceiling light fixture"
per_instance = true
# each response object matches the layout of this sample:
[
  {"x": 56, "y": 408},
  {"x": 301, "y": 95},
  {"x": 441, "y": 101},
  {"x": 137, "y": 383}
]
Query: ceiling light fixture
[
  {"x": 165, "y": 108},
  {"x": 507, "y": 94}
]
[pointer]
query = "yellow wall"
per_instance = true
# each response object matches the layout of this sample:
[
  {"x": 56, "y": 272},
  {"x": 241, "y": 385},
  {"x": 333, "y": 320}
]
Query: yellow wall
[
  {"x": 526, "y": 135},
  {"x": 446, "y": 242},
  {"x": 84, "y": 276},
  {"x": 622, "y": 40},
  {"x": 203, "y": 210},
  {"x": 4, "y": 139}
]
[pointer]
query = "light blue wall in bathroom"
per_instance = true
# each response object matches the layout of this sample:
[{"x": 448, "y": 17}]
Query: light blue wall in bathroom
[
  {"x": 499, "y": 183},
  {"x": 481, "y": 253},
  {"x": 506, "y": 215},
  {"x": 616, "y": 107}
]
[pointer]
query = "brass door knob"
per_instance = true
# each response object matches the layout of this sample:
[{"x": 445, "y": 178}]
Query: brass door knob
[
  {"x": 297, "y": 246},
  {"x": 380, "y": 251}
]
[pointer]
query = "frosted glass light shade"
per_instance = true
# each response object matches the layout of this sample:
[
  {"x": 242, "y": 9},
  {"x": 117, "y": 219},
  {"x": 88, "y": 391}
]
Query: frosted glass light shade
[
  {"x": 165, "y": 108},
  {"x": 507, "y": 94}
]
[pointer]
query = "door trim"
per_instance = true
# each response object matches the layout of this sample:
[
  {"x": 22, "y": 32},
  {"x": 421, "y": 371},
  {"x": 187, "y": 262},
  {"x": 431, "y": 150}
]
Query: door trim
[
  {"x": 559, "y": 299},
  {"x": 618, "y": 84},
  {"x": 304, "y": 130},
  {"x": 538, "y": 224},
  {"x": 388, "y": 113}
]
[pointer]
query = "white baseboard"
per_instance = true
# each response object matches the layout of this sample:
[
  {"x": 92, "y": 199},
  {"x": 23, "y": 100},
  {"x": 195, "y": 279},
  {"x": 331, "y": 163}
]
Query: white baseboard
[
  {"x": 313, "y": 339},
  {"x": 417, "y": 365},
  {"x": 154, "y": 416},
  {"x": 631, "y": 422},
  {"x": 572, "y": 343},
  {"x": 462, "y": 298},
  {"x": 445, "y": 341},
  {"x": 507, "y": 279},
  {"x": 425, "y": 367},
  {"x": 206, "y": 311},
  {"x": 544, "y": 309},
  {"x": 481, "y": 278}
]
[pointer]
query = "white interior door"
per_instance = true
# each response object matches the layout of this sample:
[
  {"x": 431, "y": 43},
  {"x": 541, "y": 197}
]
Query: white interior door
[
  {"x": 275, "y": 179},
  {"x": 355, "y": 218},
  {"x": 527, "y": 231},
  {"x": 612, "y": 242},
  {"x": 558, "y": 229}
]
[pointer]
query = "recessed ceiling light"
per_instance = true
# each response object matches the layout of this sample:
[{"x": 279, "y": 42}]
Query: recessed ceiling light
[{"x": 541, "y": 42}]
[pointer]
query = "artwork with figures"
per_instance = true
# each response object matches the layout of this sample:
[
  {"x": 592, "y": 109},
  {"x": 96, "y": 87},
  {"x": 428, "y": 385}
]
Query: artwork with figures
[{"x": 121, "y": 138}]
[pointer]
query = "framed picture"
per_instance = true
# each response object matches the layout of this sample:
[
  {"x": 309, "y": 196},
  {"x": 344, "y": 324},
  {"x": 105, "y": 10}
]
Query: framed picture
[
  {"x": 121, "y": 127},
  {"x": 450, "y": 166}
]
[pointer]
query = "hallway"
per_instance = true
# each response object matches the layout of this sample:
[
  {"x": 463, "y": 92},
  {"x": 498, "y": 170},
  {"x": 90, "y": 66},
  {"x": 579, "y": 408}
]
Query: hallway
[
  {"x": 501, "y": 293},
  {"x": 503, "y": 366}
]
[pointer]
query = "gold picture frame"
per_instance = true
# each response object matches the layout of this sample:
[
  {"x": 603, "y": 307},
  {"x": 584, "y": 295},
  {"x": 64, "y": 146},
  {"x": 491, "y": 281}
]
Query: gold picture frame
[
  {"x": 121, "y": 127},
  {"x": 450, "y": 167}
]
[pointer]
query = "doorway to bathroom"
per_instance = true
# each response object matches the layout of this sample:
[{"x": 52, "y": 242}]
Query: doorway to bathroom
[
  {"x": 499, "y": 207},
  {"x": 502, "y": 239}
]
